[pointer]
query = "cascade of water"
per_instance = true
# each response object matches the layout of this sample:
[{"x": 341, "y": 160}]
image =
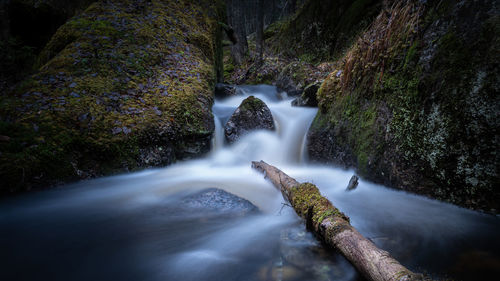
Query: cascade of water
[{"x": 285, "y": 145}]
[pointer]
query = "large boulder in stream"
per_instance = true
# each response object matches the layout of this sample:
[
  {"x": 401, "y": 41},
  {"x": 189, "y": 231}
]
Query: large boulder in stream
[
  {"x": 214, "y": 201},
  {"x": 252, "y": 114},
  {"x": 122, "y": 86}
]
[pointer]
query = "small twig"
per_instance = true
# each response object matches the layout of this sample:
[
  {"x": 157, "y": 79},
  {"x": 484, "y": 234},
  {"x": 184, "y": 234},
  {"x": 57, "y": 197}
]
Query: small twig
[
  {"x": 376, "y": 237},
  {"x": 283, "y": 206}
]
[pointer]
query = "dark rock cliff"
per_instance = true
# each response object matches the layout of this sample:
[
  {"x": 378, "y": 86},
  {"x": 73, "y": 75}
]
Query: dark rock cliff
[
  {"x": 252, "y": 114},
  {"x": 414, "y": 102}
]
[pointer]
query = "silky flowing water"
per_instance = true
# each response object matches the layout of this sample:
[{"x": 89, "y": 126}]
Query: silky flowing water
[{"x": 126, "y": 228}]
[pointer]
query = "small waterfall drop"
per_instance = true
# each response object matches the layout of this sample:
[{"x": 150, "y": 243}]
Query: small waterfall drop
[{"x": 284, "y": 146}]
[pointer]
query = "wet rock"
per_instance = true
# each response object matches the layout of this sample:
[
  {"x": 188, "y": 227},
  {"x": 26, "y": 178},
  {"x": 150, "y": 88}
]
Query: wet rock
[
  {"x": 193, "y": 147},
  {"x": 156, "y": 156},
  {"x": 252, "y": 114},
  {"x": 295, "y": 245},
  {"x": 224, "y": 90},
  {"x": 286, "y": 83},
  {"x": 308, "y": 96},
  {"x": 214, "y": 200},
  {"x": 322, "y": 147},
  {"x": 353, "y": 183}
]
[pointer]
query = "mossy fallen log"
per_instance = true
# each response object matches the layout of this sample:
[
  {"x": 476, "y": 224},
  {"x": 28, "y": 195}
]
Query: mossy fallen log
[{"x": 332, "y": 227}]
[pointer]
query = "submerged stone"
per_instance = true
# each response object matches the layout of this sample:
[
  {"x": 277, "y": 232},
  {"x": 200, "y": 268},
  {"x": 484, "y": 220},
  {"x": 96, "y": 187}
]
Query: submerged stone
[{"x": 214, "y": 200}]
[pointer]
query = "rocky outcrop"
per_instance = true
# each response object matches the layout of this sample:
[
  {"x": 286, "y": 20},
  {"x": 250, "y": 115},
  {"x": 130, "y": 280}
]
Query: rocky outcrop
[
  {"x": 414, "y": 105},
  {"x": 252, "y": 114},
  {"x": 296, "y": 76},
  {"x": 308, "y": 96},
  {"x": 124, "y": 85},
  {"x": 223, "y": 91}
]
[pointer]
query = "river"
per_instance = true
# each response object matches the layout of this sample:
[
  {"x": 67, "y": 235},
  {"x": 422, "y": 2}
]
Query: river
[{"x": 126, "y": 227}]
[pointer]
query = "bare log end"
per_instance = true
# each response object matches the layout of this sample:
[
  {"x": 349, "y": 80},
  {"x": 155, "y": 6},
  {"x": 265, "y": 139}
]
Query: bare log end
[
  {"x": 406, "y": 275},
  {"x": 258, "y": 165}
]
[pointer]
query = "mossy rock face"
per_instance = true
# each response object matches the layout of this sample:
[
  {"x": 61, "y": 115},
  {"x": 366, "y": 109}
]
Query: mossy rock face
[
  {"x": 418, "y": 110},
  {"x": 124, "y": 85}
]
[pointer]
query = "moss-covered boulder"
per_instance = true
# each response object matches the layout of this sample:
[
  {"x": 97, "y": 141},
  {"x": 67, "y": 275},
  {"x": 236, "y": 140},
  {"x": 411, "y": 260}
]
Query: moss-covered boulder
[
  {"x": 252, "y": 114},
  {"x": 308, "y": 96},
  {"x": 124, "y": 85},
  {"x": 414, "y": 102}
]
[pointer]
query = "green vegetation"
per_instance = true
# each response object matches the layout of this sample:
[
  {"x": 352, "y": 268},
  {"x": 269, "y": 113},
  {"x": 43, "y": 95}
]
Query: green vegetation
[
  {"x": 307, "y": 195},
  {"x": 252, "y": 104}
]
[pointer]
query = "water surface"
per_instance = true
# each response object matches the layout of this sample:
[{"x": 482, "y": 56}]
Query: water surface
[{"x": 127, "y": 228}]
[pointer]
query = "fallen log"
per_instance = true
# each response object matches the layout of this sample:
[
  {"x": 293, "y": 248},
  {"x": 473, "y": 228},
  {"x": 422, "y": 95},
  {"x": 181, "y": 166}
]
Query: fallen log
[{"x": 333, "y": 228}]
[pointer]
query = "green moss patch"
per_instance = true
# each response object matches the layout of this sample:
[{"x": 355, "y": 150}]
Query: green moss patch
[{"x": 307, "y": 201}]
